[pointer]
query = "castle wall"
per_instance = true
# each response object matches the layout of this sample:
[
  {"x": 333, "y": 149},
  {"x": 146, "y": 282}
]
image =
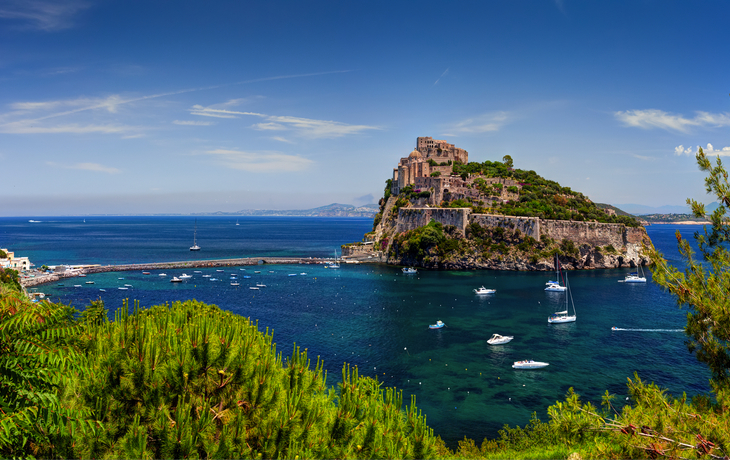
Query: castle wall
[
  {"x": 412, "y": 218},
  {"x": 529, "y": 226}
]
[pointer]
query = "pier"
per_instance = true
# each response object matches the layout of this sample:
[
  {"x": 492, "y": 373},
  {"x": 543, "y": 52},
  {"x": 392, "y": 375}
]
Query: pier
[{"x": 246, "y": 261}]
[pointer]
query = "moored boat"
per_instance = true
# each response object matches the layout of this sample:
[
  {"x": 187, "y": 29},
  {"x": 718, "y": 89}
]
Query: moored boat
[
  {"x": 499, "y": 339},
  {"x": 409, "y": 270},
  {"x": 175, "y": 279},
  {"x": 482, "y": 290},
  {"x": 439, "y": 324},
  {"x": 529, "y": 364}
]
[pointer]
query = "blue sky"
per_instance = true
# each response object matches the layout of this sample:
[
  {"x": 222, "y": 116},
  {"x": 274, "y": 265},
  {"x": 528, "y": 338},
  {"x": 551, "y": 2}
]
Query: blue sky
[{"x": 131, "y": 107}]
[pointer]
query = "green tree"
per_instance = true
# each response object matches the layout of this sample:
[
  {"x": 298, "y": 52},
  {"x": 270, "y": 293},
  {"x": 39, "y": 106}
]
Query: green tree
[
  {"x": 703, "y": 287},
  {"x": 507, "y": 160}
]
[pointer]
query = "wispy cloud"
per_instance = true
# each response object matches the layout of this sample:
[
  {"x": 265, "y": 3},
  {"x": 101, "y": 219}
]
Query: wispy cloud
[
  {"x": 94, "y": 167},
  {"x": 442, "y": 76},
  {"x": 305, "y": 127},
  {"x": 281, "y": 139},
  {"x": 709, "y": 150},
  {"x": 192, "y": 123},
  {"x": 260, "y": 161},
  {"x": 652, "y": 118},
  {"x": 27, "y": 127},
  {"x": 47, "y": 15},
  {"x": 489, "y": 122}
]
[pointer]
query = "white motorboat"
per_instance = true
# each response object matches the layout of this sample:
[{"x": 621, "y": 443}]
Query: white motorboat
[
  {"x": 235, "y": 283},
  {"x": 260, "y": 285},
  {"x": 499, "y": 339},
  {"x": 409, "y": 270},
  {"x": 195, "y": 246},
  {"x": 564, "y": 316},
  {"x": 89, "y": 282},
  {"x": 555, "y": 286},
  {"x": 483, "y": 290},
  {"x": 162, "y": 274},
  {"x": 254, "y": 288},
  {"x": 175, "y": 279},
  {"x": 529, "y": 364},
  {"x": 439, "y": 324},
  {"x": 185, "y": 276},
  {"x": 634, "y": 277}
]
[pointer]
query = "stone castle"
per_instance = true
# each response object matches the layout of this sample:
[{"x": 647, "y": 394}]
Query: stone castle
[{"x": 428, "y": 168}]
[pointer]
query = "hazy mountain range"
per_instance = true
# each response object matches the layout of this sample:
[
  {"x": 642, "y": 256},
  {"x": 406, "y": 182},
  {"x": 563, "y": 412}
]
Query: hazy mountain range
[
  {"x": 330, "y": 210},
  {"x": 640, "y": 209}
]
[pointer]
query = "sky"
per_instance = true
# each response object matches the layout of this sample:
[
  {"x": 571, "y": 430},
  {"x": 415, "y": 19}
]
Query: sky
[{"x": 147, "y": 106}]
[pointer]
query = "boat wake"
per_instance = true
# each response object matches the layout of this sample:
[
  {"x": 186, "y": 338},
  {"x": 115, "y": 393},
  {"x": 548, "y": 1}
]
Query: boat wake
[{"x": 646, "y": 330}]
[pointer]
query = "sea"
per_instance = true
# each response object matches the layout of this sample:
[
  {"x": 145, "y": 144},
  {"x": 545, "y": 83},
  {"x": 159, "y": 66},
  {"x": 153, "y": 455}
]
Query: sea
[{"x": 376, "y": 318}]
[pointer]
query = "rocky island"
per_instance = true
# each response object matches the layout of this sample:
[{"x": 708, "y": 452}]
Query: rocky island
[{"x": 441, "y": 211}]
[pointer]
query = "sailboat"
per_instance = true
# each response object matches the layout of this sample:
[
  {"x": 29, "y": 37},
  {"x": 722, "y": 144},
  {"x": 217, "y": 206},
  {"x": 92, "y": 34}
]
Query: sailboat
[
  {"x": 237, "y": 222},
  {"x": 195, "y": 246},
  {"x": 635, "y": 278},
  {"x": 555, "y": 286},
  {"x": 336, "y": 263},
  {"x": 564, "y": 316}
]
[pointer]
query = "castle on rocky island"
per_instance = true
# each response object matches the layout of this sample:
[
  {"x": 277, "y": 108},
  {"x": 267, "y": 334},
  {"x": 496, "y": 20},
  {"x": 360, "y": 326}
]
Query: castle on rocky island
[{"x": 428, "y": 168}]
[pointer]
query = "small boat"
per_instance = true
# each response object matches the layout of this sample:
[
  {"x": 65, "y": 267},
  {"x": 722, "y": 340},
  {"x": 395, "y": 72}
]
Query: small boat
[
  {"x": 195, "y": 246},
  {"x": 336, "y": 263},
  {"x": 499, "y": 339},
  {"x": 292, "y": 274},
  {"x": 175, "y": 279},
  {"x": 254, "y": 288},
  {"x": 220, "y": 270},
  {"x": 185, "y": 276},
  {"x": 145, "y": 273},
  {"x": 81, "y": 275},
  {"x": 77, "y": 285},
  {"x": 303, "y": 274},
  {"x": 206, "y": 276},
  {"x": 213, "y": 279},
  {"x": 614, "y": 328},
  {"x": 102, "y": 290},
  {"x": 89, "y": 282},
  {"x": 122, "y": 288},
  {"x": 555, "y": 286},
  {"x": 483, "y": 290},
  {"x": 120, "y": 278},
  {"x": 197, "y": 271},
  {"x": 246, "y": 276},
  {"x": 563, "y": 316},
  {"x": 237, "y": 222},
  {"x": 260, "y": 285},
  {"x": 529, "y": 364},
  {"x": 242, "y": 269},
  {"x": 235, "y": 283},
  {"x": 409, "y": 270},
  {"x": 162, "y": 274},
  {"x": 257, "y": 271},
  {"x": 439, "y": 324},
  {"x": 634, "y": 277}
]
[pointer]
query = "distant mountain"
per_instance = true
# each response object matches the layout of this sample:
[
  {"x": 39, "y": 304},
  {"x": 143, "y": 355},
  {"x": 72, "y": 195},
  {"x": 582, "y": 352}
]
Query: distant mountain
[
  {"x": 330, "y": 210},
  {"x": 641, "y": 210}
]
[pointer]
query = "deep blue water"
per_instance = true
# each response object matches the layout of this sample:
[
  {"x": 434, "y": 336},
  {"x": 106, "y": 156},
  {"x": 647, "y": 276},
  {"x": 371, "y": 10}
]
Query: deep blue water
[{"x": 376, "y": 318}]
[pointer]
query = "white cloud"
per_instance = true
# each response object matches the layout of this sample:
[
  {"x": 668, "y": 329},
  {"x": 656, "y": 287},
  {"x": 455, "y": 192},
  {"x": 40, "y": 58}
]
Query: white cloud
[
  {"x": 489, "y": 122},
  {"x": 95, "y": 167},
  {"x": 42, "y": 14},
  {"x": 306, "y": 127},
  {"x": 260, "y": 161},
  {"x": 192, "y": 123},
  {"x": 648, "y": 119},
  {"x": 281, "y": 139},
  {"x": 30, "y": 127},
  {"x": 680, "y": 150},
  {"x": 709, "y": 150}
]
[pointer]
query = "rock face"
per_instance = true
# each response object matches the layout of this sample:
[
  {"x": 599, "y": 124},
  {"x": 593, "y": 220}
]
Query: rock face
[{"x": 590, "y": 245}]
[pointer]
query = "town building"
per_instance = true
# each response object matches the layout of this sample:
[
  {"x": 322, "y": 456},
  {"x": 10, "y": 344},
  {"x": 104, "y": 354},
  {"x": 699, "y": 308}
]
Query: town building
[{"x": 16, "y": 263}]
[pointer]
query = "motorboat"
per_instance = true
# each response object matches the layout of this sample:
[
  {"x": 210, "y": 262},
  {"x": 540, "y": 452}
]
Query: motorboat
[
  {"x": 499, "y": 339},
  {"x": 292, "y": 274},
  {"x": 260, "y": 285},
  {"x": 102, "y": 290},
  {"x": 439, "y": 324},
  {"x": 303, "y": 273},
  {"x": 483, "y": 290},
  {"x": 81, "y": 275},
  {"x": 122, "y": 288},
  {"x": 529, "y": 364},
  {"x": 162, "y": 274},
  {"x": 564, "y": 316},
  {"x": 235, "y": 283},
  {"x": 634, "y": 277},
  {"x": 185, "y": 276},
  {"x": 77, "y": 285},
  {"x": 409, "y": 270},
  {"x": 254, "y": 288},
  {"x": 145, "y": 273},
  {"x": 175, "y": 279},
  {"x": 555, "y": 286},
  {"x": 89, "y": 282},
  {"x": 206, "y": 276},
  {"x": 195, "y": 246},
  {"x": 127, "y": 285}
]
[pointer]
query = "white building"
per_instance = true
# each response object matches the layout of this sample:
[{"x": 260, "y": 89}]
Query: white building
[{"x": 16, "y": 263}]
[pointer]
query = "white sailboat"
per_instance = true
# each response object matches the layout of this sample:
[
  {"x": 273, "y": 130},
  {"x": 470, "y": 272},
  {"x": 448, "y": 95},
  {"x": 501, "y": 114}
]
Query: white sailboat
[
  {"x": 237, "y": 222},
  {"x": 555, "y": 286},
  {"x": 564, "y": 316},
  {"x": 336, "y": 263},
  {"x": 195, "y": 246},
  {"x": 635, "y": 278}
]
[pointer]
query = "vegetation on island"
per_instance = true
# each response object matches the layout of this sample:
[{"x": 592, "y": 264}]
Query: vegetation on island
[{"x": 190, "y": 380}]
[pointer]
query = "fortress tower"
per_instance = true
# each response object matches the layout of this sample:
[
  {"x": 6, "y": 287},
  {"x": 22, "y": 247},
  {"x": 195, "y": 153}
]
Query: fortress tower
[{"x": 428, "y": 157}]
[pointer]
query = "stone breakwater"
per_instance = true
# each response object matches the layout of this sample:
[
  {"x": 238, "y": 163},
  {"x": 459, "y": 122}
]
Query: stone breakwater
[{"x": 49, "y": 278}]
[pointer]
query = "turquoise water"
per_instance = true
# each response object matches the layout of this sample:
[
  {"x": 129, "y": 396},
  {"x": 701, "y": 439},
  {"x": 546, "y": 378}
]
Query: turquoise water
[{"x": 375, "y": 317}]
